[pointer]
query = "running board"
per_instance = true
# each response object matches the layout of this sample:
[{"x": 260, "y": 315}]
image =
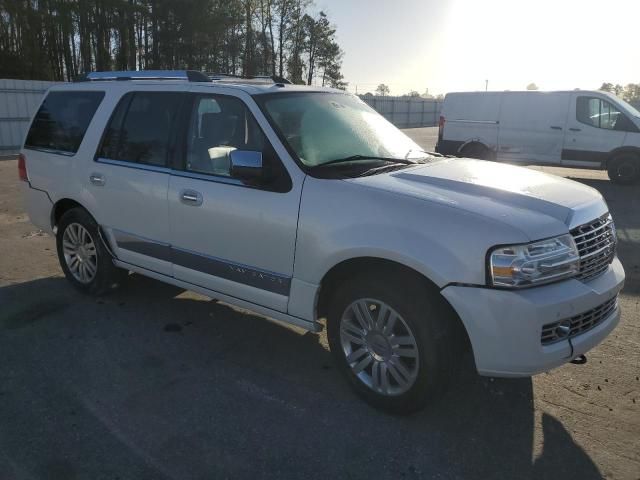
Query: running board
[{"x": 259, "y": 309}]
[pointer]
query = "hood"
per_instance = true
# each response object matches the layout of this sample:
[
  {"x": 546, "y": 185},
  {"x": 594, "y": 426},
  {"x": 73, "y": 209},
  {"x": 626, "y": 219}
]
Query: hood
[{"x": 538, "y": 204}]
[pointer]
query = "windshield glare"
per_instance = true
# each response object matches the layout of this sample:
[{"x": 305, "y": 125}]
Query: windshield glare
[
  {"x": 321, "y": 127},
  {"x": 630, "y": 107},
  {"x": 625, "y": 105}
]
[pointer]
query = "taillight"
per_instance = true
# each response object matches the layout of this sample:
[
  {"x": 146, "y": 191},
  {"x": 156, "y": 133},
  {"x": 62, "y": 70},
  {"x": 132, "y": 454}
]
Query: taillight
[
  {"x": 22, "y": 168},
  {"x": 441, "y": 127}
]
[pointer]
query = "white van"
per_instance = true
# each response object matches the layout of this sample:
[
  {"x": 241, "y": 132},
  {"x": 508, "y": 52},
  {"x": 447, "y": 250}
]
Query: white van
[{"x": 583, "y": 129}]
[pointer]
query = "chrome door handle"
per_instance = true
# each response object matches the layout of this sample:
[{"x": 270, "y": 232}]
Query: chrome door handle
[
  {"x": 191, "y": 197},
  {"x": 96, "y": 179}
]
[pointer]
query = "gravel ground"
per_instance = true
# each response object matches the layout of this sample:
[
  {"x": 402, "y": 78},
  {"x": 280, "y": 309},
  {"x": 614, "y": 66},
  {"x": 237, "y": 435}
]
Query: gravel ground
[{"x": 153, "y": 382}]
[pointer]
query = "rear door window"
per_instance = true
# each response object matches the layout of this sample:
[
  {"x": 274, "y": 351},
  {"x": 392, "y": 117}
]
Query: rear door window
[
  {"x": 141, "y": 127},
  {"x": 62, "y": 121}
]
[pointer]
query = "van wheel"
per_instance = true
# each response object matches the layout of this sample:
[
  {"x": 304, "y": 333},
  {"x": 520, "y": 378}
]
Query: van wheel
[
  {"x": 394, "y": 341},
  {"x": 83, "y": 257},
  {"x": 476, "y": 150},
  {"x": 624, "y": 169}
]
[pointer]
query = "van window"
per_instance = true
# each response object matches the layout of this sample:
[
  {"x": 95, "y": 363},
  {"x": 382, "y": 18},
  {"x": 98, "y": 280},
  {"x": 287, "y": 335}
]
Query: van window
[
  {"x": 599, "y": 113},
  {"x": 62, "y": 120},
  {"x": 218, "y": 126},
  {"x": 139, "y": 130}
]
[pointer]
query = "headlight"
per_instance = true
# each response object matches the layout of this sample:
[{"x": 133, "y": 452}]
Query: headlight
[{"x": 539, "y": 262}]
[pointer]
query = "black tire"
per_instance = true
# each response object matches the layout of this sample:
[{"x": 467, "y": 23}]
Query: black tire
[
  {"x": 476, "y": 150},
  {"x": 624, "y": 169},
  {"x": 431, "y": 321},
  {"x": 107, "y": 276}
]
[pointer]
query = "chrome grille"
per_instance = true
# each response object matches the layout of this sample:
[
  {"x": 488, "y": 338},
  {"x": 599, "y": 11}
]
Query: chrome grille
[
  {"x": 596, "y": 242},
  {"x": 578, "y": 324}
]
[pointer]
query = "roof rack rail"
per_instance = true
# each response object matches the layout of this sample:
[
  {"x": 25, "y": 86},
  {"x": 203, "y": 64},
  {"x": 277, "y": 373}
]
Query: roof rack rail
[
  {"x": 188, "y": 75},
  {"x": 246, "y": 78}
]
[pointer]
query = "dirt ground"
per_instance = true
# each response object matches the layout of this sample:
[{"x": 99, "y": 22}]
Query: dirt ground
[{"x": 153, "y": 382}]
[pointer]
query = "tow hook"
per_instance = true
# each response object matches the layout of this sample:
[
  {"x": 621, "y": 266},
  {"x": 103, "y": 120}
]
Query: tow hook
[{"x": 579, "y": 360}]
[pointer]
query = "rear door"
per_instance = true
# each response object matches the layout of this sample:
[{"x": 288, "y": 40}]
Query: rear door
[
  {"x": 595, "y": 128},
  {"x": 128, "y": 181},
  {"x": 532, "y": 127}
]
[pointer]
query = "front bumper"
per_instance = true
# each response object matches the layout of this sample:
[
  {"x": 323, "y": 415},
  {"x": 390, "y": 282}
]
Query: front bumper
[{"x": 504, "y": 326}]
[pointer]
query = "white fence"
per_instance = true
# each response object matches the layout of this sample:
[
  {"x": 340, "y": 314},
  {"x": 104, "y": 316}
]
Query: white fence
[
  {"x": 20, "y": 98},
  {"x": 406, "y": 112},
  {"x": 18, "y": 101}
]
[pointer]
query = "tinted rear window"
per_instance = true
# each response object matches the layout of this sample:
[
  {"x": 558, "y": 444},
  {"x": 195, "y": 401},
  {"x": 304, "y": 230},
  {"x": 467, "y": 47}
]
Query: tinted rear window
[
  {"x": 141, "y": 127},
  {"x": 62, "y": 121}
]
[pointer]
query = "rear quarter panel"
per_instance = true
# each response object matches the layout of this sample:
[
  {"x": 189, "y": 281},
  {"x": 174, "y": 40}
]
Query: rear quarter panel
[{"x": 60, "y": 174}]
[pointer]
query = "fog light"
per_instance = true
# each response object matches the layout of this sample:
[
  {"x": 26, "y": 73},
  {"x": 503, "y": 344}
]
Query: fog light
[{"x": 563, "y": 329}]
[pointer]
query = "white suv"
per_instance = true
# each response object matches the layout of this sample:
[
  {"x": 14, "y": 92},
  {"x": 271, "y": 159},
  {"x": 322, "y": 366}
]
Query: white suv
[{"x": 303, "y": 204}]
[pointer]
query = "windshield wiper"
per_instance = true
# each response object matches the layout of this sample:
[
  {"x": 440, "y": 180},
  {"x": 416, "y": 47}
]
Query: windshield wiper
[{"x": 366, "y": 157}]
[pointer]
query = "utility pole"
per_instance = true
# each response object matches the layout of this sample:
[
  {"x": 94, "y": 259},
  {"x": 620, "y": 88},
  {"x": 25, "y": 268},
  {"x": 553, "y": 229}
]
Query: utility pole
[{"x": 486, "y": 85}]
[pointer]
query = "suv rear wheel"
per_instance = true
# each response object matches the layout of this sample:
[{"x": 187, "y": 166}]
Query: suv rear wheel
[
  {"x": 624, "y": 169},
  {"x": 84, "y": 259},
  {"x": 393, "y": 339}
]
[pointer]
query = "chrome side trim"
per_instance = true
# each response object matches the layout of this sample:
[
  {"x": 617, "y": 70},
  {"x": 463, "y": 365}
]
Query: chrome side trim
[
  {"x": 144, "y": 246},
  {"x": 254, "y": 277},
  {"x": 208, "y": 177},
  {"x": 176, "y": 173},
  {"x": 138, "y": 166},
  {"x": 50, "y": 150},
  {"x": 218, "y": 267}
]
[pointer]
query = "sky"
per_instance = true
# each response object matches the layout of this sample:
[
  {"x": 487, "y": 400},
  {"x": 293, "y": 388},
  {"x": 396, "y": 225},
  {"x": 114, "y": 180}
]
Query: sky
[{"x": 455, "y": 45}]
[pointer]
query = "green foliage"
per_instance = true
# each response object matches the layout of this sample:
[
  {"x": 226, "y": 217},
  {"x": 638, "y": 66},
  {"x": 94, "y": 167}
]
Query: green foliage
[
  {"x": 60, "y": 39},
  {"x": 630, "y": 92},
  {"x": 383, "y": 89}
]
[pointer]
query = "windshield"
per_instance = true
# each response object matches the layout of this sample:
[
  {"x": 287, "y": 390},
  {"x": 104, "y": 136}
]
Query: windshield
[
  {"x": 630, "y": 108},
  {"x": 325, "y": 127}
]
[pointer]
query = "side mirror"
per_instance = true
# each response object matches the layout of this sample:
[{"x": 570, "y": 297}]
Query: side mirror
[{"x": 246, "y": 165}]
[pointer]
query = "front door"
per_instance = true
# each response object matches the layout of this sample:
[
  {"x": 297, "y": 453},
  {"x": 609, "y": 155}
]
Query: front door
[
  {"x": 130, "y": 178},
  {"x": 227, "y": 236},
  {"x": 595, "y": 128}
]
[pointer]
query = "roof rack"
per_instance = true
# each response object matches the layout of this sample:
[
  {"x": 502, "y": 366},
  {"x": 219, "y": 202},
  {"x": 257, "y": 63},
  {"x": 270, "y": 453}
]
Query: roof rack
[
  {"x": 226, "y": 77},
  {"x": 188, "y": 75}
]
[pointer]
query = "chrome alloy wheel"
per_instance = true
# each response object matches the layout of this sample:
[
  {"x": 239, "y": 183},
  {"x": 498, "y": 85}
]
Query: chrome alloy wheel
[
  {"x": 379, "y": 346},
  {"x": 80, "y": 253}
]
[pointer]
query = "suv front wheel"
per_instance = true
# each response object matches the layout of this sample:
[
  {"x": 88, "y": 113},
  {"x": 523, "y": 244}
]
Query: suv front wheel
[
  {"x": 394, "y": 341},
  {"x": 84, "y": 259}
]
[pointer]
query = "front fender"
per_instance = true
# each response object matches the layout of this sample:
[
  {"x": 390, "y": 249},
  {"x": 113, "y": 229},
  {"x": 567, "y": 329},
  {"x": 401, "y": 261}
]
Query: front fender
[{"x": 341, "y": 220}]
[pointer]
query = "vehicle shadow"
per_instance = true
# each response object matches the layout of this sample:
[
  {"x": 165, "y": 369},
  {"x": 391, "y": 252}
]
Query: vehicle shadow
[{"x": 155, "y": 382}]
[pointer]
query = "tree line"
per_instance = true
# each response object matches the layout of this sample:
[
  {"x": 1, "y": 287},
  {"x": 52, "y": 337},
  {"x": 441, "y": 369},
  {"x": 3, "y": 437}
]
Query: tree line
[
  {"x": 629, "y": 93},
  {"x": 61, "y": 39}
]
